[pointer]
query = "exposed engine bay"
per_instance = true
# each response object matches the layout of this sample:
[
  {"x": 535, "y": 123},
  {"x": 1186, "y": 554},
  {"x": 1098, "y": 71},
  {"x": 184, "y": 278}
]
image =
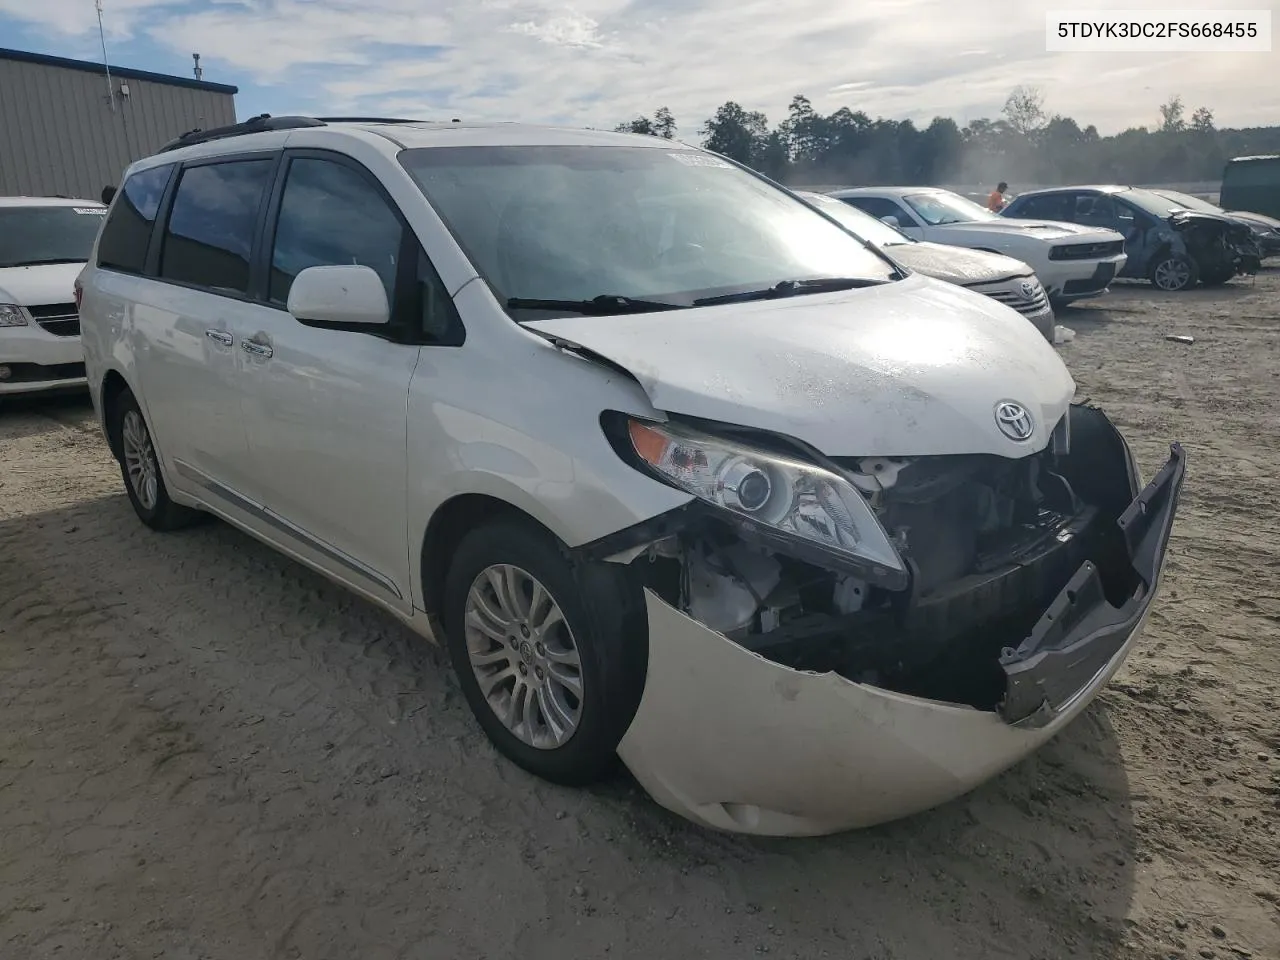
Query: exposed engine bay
[
  {"x": 989, "y": 543},
  {"x": 1221, "y": 248}
]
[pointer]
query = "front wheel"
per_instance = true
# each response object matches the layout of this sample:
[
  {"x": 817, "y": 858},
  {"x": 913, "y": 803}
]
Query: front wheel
[
  {"x": 550, "y": 654},
  {"x": 140, "y": 468},
  {"x": 1174, "y": 272}
]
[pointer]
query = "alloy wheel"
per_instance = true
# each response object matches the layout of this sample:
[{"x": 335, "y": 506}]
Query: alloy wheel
[
  {"x": 140, "y": 460},
  {"x": 523, "y": 655},
  {"x": 1172, "y": 274}
]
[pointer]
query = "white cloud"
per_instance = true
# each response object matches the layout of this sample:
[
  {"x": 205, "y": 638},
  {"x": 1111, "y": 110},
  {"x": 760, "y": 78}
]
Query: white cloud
[{"x": 597, "y": 62}]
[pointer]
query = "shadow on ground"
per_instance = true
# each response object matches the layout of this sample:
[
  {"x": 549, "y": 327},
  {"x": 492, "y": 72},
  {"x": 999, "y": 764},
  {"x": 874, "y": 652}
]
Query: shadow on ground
[{"x": 208, "y": 750}]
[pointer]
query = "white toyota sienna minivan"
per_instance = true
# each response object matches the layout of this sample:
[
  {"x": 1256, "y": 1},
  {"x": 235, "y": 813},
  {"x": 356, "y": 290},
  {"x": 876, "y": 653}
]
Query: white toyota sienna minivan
[{"x": 679, "y": 469}]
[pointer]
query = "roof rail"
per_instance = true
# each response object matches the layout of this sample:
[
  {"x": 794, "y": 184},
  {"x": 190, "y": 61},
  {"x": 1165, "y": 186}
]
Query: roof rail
[
  {"x": 259, "y": 124},
  {"x": 369, "y": 120}
]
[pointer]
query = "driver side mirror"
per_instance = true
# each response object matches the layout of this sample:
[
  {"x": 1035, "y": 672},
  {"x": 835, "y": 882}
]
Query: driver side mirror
[
  {"x": 339, "y": 295},
  {"x": 892, "y": 221}
]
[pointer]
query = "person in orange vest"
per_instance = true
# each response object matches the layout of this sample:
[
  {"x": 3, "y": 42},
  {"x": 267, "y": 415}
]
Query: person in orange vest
[{"x": 995, "y": 202}]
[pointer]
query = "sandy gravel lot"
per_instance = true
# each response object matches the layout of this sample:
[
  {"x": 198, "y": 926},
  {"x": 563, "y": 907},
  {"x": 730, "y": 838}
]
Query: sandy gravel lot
[{"x": 208, "y": 752}]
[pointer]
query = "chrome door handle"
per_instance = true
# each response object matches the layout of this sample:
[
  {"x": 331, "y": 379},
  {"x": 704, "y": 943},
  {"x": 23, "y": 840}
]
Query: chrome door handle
[
  {"x": 220, "y": 336},
  {"x": 257, "y": 349}
]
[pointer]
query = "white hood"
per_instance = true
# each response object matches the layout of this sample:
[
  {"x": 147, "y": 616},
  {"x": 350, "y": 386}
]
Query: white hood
[
  {"x": 1049, "y": 230},
  {"x": 957, "y": 264},
  {"x": 915, "y": 367},
  {"x": 34, "y": 286}
]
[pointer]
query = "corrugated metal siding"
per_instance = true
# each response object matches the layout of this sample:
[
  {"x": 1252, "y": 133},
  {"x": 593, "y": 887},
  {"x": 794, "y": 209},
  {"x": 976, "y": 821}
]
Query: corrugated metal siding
[{"x": 59, "y": 135}]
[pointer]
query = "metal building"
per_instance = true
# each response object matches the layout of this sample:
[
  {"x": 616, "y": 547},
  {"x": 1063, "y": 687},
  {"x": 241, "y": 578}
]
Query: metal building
[{"x": 65, "y": 132}]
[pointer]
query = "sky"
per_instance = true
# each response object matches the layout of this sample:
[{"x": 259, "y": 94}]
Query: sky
[{"x": 600, "y": 62}]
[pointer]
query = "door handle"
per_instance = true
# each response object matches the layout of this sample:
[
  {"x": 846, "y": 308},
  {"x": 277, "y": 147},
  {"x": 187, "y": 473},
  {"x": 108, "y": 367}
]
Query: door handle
[
  {"x": 220, "y": 336},
  {"x": 257, "y": 349}
]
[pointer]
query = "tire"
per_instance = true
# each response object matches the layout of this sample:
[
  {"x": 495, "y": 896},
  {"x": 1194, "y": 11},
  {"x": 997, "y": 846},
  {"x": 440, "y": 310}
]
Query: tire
[
  {"x": 140, "y": 469},
  {"x": 1173, "y": 273},
  {"x": 602, "y": 609}
]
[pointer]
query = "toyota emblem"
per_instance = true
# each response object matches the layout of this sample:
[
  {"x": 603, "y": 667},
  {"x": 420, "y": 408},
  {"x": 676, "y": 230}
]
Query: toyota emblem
[
  {"x": 1029, "y": 290},
  {"x": 1014, "y": 421}
]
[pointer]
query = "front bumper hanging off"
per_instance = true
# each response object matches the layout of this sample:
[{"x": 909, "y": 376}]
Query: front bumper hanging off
[{"x": 731, "y": 740}]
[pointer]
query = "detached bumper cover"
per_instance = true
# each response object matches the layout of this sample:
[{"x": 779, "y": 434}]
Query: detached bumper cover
[
  {"x": 1081, "y": 632},
  {"x": 733, "y": 741}
]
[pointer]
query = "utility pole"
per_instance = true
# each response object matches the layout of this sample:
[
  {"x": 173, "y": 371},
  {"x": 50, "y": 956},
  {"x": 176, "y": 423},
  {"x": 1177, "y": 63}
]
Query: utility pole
[{"x": 102, "y": 35}]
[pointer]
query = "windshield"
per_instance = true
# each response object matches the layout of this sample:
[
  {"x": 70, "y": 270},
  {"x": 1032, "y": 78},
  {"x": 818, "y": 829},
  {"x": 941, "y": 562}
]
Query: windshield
[
  {"x": 34, "y": 235},
  {"x": 945, "y": 207},
  {"x": 1152, "y": 203},
  {"x": 577, "y": 222},
  {"x": 861, "y": 223},
  {"x": 1189, "y": 202}
]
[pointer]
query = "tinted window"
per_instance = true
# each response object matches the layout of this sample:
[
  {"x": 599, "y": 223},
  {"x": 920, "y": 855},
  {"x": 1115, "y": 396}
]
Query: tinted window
[
  {"x": 331, "y": 214},
  {"x": 210, "y": 231},
  {"x": 1053, "y": 206},
  {"x": 30, "y": 236},
  {"x": 439, "y": 321},
  {"x": 128, "y": 228}
]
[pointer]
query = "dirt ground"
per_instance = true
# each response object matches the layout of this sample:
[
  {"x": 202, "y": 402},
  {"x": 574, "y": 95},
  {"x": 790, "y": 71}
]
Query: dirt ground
[{"x": 208, "y": 752}]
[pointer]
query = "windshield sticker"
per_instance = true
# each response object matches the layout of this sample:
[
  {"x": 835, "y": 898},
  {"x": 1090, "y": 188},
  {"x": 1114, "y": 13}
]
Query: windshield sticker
[
  {"x": 691, "y": 159},
  {"x": 92, "y": 211}
]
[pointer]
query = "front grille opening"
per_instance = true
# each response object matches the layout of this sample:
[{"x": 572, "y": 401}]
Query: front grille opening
[{"x": 59, "y": 319}]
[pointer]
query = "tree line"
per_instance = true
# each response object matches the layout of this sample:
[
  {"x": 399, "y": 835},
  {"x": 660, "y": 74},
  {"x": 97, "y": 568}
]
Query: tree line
[{"x": 1025, "y": 144}]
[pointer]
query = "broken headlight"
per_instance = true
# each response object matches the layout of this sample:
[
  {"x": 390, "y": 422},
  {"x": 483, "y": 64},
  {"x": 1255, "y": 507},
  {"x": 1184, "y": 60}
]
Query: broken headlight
[{"x": 789, "y": 499}]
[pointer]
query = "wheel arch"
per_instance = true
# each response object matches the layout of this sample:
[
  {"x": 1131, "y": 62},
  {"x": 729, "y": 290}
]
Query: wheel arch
[
  {"x": 452, "y": 520},
  {"x": 114, "y": 385}
]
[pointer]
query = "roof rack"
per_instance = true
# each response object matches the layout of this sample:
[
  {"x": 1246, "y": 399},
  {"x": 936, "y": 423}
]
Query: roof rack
[
  {"x": 265, "y": 122},
  {"x": 259, "y": 124},
  {"x": 368, "y": 120}
]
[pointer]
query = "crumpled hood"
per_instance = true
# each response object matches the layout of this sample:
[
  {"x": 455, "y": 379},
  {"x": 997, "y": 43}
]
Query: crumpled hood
[
  {"x": 1044, "y": 229},
  {"x": 957, "y": 264},
  {"x": 915, "y": 367},
  {"x": 34, "y": 286},
  {"x": 1256, "y": 219}
]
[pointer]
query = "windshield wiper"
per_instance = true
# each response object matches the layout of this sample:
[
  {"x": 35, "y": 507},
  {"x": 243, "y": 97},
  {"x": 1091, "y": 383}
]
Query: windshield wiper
[
  {"x": 45, "y": 262},
  {"x": 607, "y": 304},
  {"x": 791, "y": 288}
]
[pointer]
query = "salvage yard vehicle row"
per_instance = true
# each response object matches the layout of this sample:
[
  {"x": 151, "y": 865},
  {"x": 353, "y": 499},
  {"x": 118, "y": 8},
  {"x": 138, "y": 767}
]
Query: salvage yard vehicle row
[{"x": 651, "y": 445}]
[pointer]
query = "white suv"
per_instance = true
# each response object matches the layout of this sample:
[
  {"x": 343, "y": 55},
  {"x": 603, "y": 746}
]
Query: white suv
[
  {"x": 678, "y": 468},
  {"x": 44, "y": 243}
]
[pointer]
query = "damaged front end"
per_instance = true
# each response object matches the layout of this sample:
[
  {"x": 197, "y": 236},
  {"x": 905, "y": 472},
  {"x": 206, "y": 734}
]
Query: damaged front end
[
  {"x": 808, "y": 683},
  {"x": 1222, "y": 248}
]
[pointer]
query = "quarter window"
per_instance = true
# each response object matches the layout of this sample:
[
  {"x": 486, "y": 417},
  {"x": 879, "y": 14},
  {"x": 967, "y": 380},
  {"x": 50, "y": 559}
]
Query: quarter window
[
  {"x": 209, "y": 236},
  {"x": 127, "y": 232},
  {"x": 330, "y": 214}
]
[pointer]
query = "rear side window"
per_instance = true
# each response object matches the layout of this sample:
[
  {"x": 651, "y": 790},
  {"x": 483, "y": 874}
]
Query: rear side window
[
  {"x": 1050, "y": 206},
  {"x": 209, "y": 236},
  {"x": 126, "y": 233},
  {"x": 880, "y": 207},
  {"x": 330, "y": 214}
]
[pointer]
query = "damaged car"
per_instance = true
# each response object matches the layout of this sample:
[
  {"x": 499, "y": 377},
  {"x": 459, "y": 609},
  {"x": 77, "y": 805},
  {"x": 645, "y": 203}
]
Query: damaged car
[
  {"x": 993, "y": 275},
  {"x": 1171, "y": 246},
  {"x": 679, "y": 470},
  {"x": 1265, "y": 230}
]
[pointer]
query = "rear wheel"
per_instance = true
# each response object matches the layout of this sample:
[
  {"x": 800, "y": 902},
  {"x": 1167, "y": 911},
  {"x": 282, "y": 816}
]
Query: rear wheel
[
  {"x": 1173, "y": 272},
  {"x": 549, "y": 653},
  {"x": 140, "y": 468}
]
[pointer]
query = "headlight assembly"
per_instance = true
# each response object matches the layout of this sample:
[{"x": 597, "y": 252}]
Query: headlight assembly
[
  {"x": 12, "y": 315},
  {"x": 787, "y": 500}
]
